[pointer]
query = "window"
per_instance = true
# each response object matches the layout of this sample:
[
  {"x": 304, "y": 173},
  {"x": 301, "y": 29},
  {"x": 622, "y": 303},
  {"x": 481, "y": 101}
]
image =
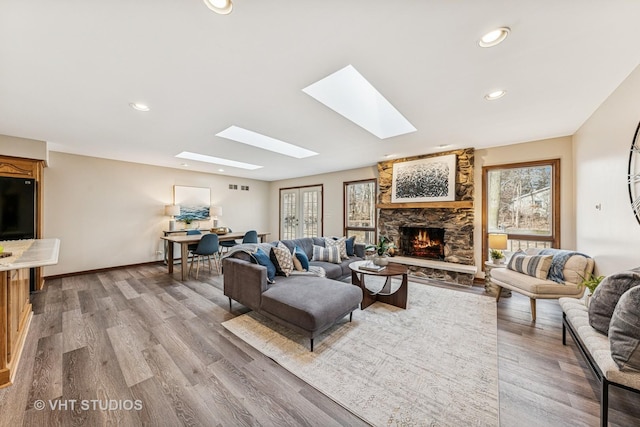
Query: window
[
  {"x": 300, "y": 212},
  {"x": 360, "y": 210},
  {"x": 523, "y": 201}
]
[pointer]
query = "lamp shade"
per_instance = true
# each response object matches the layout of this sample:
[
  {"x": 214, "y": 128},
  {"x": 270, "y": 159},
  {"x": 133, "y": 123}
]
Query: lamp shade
[
  {"x": 216, "y": 211},
  {"x": 497, "y": 241},
  {"x": 172, "y": 210}
]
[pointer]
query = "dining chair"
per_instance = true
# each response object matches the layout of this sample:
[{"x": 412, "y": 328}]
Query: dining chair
[
  {"x": 207, "y": 247},
  {"x": 192, "y": 247},
  {"x": 250, "y": 236}
]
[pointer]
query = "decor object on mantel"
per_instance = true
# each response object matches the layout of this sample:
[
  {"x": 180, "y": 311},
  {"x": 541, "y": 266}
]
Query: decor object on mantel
[
  {"x": 424, "y": 371},
  {"x": 497, "y": 243}
]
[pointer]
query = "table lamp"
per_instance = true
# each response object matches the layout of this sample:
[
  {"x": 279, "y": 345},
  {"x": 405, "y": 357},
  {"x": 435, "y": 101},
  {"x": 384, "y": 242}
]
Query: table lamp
[
  {"x": 498, "y": 241},
  {"x": 172, "y": 211},
  {"x": 216, "y": 211}
]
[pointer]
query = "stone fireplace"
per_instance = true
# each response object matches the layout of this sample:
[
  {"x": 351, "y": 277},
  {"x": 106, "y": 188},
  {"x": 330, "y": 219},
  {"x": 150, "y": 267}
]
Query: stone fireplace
[{"x": 435, "y": 239}]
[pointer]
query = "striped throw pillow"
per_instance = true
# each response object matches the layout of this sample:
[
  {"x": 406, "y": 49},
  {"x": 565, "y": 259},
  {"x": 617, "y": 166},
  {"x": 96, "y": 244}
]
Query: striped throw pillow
[
  {"x": 330, "y": 254},
  {"x": 531, "y": 265}
]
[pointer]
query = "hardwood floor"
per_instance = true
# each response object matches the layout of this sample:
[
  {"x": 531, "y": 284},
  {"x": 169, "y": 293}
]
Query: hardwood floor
[{"x": 135, "y": 346}]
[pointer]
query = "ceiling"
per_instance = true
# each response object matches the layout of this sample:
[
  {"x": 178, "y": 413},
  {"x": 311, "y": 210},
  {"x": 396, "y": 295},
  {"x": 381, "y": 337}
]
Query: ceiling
[{"x": 69, "y": 69}]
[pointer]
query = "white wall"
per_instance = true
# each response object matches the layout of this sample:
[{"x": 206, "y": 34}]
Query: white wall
[
  {"x": 110, "y": 213},
  {"x": 333, "y": 198},
  {"x": 555, "y": 148},
  {"x": 611, "y": 235}
]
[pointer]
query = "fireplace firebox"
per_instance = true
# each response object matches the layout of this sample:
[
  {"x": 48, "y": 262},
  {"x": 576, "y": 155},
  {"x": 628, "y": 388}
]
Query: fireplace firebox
[{"x": 422, "y": 242}]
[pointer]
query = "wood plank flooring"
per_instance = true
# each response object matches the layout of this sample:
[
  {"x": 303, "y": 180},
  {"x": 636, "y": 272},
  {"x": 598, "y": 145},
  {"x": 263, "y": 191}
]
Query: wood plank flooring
[{"x": 102, "y": 343}]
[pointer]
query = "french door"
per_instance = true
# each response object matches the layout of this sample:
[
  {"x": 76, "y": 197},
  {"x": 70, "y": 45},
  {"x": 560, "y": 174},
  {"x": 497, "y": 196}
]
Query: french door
[{"x": 300, "y": 212}]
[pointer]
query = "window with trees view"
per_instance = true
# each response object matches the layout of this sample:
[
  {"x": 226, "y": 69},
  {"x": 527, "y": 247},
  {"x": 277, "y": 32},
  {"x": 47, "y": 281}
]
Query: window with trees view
[
  {"x": 360, "y": 210},
  {"x": 522, "y": 200}
]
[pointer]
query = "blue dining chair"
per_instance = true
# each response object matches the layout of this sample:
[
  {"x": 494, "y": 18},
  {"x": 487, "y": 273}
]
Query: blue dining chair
[
  {"x": 207, "y": 247},
  {"x": 192, "y": 247},
  {"x": 250, "y": 236}
]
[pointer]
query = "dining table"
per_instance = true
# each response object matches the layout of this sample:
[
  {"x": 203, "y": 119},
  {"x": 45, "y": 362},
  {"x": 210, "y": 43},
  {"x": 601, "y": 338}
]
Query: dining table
[{"x": 185, "y": 240}]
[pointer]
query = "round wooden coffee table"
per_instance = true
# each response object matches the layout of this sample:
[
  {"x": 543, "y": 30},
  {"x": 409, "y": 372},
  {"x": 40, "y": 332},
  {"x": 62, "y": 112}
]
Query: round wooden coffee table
[{"x": 388, "y": 295}]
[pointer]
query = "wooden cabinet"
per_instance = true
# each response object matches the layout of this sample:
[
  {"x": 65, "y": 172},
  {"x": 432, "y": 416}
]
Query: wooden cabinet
[
  {"x": 15, "y": 316},
  {"x": 17, "y": 167}
]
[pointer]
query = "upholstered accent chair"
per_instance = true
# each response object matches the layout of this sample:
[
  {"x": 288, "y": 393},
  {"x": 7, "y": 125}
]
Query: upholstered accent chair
[{"x": 562, "y": 281}]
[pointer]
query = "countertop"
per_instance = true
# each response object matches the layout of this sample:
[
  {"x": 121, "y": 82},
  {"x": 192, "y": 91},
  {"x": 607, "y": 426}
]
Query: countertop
[{"x": 41, "y": 252}]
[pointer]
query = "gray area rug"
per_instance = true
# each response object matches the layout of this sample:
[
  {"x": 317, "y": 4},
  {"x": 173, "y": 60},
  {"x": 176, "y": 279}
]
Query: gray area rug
[{"x": 434, "y": 364}]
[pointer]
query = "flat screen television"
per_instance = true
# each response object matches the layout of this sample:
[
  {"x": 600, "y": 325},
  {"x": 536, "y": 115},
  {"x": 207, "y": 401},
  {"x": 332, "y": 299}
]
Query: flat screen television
[{"x": 17, "y": 208}]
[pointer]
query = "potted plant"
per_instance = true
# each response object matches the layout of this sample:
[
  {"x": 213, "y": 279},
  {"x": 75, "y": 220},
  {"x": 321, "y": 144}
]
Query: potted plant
[
  {"x": 187, "y": 221},
  {"x": 497, "y": 256},
  {"x": 381, "y": 250},
  {"x": 590, "y": 282}
]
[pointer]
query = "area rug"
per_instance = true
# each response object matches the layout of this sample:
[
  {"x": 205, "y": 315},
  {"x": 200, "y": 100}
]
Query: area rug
[{"x": 433, "y": 364}]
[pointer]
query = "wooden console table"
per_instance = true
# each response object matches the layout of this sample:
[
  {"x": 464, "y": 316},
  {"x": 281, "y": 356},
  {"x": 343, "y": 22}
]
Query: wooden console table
[{"x": 15, "y": 305}]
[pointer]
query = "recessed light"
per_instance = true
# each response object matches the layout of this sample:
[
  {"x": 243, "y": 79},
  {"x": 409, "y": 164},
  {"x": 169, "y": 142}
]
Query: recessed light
[
  {"x": 444, "y": 146},
  {"x": 220, "y": 170},
  {"x": 223, "y": 7},
  {"x": 390, "y": 156},
  {"x": 494, "y": 37},
  {"x": 216, "y": 160},
  {"x": 258, "y": 140},
  {"x": 184, "y": 165},
  {"x": 138, "y": 106},
  {"x": 497, "y": 94},
  {"x": 349, "y": 94}
]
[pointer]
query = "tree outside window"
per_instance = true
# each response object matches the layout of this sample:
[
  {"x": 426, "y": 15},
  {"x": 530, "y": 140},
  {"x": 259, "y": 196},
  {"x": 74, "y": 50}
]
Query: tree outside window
[
  {"x": 360, "y": 210},
  {"x": 522, "y": 200}
]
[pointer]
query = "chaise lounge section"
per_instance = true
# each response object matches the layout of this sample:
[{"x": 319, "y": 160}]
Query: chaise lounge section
[{"x": 306, "y": 303}]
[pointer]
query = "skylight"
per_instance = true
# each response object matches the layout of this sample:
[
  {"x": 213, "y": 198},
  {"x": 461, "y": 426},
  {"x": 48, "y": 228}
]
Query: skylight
[
  {"x": 216, "y": 160},
  {"x": 255, "y": 139},
  {"x": 349, "y": 94}
]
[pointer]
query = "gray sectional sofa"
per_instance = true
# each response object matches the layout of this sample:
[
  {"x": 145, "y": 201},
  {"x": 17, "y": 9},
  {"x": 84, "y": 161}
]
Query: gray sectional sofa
[{"x": 304, "y": 302}]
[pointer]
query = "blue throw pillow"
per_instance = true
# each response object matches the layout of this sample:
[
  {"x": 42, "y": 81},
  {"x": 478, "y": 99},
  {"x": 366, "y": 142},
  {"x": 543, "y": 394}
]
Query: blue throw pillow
[
  {"x": 349, "y": 243},
  {"x": 263, "y": 259},
  {"x": 302, "y": 257}
]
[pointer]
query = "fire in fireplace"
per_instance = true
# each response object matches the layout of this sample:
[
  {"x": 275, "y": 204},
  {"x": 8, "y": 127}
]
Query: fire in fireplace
[{"x": 423, "y": 242}]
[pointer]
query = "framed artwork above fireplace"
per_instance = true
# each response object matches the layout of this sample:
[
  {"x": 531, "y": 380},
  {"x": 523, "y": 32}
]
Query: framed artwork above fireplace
[{"x": 430, "y": 179}]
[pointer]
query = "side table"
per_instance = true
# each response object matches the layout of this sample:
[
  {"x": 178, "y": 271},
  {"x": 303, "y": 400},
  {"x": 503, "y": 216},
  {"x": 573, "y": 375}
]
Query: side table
[{"x": 489, "y": 287}]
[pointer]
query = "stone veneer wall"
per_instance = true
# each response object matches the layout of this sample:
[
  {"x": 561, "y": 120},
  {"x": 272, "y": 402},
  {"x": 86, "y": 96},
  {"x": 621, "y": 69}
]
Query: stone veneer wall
[{"x": 457, "y": 221}]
